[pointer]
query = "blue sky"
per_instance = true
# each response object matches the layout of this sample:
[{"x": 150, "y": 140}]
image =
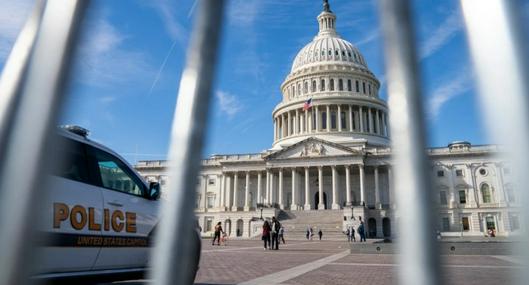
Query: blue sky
[{"x": 131, "y": 55}]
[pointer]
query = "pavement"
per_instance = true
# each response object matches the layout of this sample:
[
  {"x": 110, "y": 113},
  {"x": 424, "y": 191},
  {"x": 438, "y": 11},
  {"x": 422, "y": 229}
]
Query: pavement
[{"x": 330, "y": 262}]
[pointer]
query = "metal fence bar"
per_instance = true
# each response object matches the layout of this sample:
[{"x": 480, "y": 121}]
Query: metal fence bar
[
  {"x": 173, "y": 254},
  {"x": 27, "y": 136},
  {"x": 499, "y": 51},
  {"x": 418, "y": 256},
  {"x": 16, "y": 65}
]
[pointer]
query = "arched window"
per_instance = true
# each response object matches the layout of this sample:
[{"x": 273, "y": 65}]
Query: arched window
[
  {"x": 349, "y": 85},
  {"x": 357, "y": 86},
  {"x": 293, "y": 90},
  {"x": 486, "y": 193},
  {"x": 322, "y": 52},
  {"x": 313, "y": 86},
  {"x": 343, "y": 53},
  {"x": 322, "y": 85},
  {"x": 364, "y": 87},
  {"x": 340, "y": 84},
  {"x": 336, "y": 52},
  {"x": 330, "y": 52},
  {"x": 369, "y": 89},
  {"x": 331, "y": 85},
  {"x": 305, "y": 87}
]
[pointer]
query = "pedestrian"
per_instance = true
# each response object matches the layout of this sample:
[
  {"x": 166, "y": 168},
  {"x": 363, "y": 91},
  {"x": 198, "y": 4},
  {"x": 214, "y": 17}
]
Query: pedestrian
[
  {"x": 266, "y": 235},
  {"x": 282, "y": 234},
  {"x": 311, "y": 233},
  {"x": 275, "y": 233},
  {"x": 348, "y": 234},
  {"x": 308, "y": 233},
  {"x": 353, "y": 234},
  {"x": 361, "y": 232},
  {"x": 320, "y": 233},
  {"x": 218, "y": 230}
]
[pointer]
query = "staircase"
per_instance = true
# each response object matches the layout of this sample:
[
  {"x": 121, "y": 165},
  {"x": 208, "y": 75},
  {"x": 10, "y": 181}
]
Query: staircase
[{"x": 295, "y": 224}]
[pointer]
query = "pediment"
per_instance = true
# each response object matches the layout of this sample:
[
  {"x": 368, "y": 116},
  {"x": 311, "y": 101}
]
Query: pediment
[{"x": 311, "y": 148}]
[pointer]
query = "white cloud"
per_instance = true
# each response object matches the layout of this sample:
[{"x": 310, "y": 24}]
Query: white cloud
[
  {"x": 228, "y": 103},
  {"x": 13, "y": 15},
  {"x": 166, "y": 10},
  {"x": 371, "y": 36},
  {"x": 103, "y": 60},
  {"x": 446, "y": 31},
  {"x": 447, "y": 91}
]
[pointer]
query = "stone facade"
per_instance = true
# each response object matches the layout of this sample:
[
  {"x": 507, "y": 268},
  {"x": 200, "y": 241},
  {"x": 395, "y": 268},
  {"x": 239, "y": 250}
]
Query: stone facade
[{"x": 331, "y": 150}]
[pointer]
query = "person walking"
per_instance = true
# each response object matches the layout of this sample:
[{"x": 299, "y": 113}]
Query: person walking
[
  {"x": 311, "y": 233},
  {"x": 275, "y": 233},
  {"x": 282, "y": 234},
  {"x": 308, "y": 233},
  {"x": 266, "y": 235},
  {"x": 361, "y": 231},
  {"x": 320, "y": 233},
  {"x": 218, "y": 230},
  {"x": 348, "y": 235},
  {"x": 352, "y": 233}
]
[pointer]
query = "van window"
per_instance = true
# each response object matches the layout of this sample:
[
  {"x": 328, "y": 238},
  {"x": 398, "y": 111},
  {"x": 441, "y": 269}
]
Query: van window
[
  {"x": 74, "y": 165},
  {"x": 115, "y": 174}
]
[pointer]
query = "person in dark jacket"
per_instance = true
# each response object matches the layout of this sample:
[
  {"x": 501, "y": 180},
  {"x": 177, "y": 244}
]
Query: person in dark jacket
[
  {"x": 320, "y": 233},
  {"x": 266, "y": 235},
  {"x": 218, "y": 230},
  {"x": 275, "y": 233}
]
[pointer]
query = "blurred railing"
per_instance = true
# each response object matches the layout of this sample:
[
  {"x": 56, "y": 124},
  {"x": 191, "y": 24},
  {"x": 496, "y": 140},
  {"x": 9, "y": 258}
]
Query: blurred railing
[{"x": 31, "y": 95}]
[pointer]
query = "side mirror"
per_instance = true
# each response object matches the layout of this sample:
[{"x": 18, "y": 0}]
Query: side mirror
[{"x": 154, "y": 191}]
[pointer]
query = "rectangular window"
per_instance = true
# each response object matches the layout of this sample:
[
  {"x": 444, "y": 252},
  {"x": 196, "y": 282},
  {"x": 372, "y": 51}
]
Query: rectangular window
[
  {"x": 459, "y": 172},
  {"x": 442, "y": 198},
  {"x": 465, "y": 224},
  {"x": 462, "y": 197},
  {"x": 324, "y": 120},
  {"x": 364, "y": 87},
  {"x": 357, "y": 86},
  {"x": 342, "y": 118},
  {"x": 349, "y": 85},
  {"x": 209, "y": 224},
  {"x": 333, "y": 120},
  {"x": 74, "y": 166},
  {"x": 331, "y": 85},
  {"x": 440, "y": 173},
  {"x": 322, "y": 85},
  {"x": 340, "y": 84},
  {"x": 369, "y": 89},
  {"x": 515, "y": 222},
  {"x": 211, "y": 201},
  {"x": 211, "y": 181},
  {"x": 115, "y": 174},
  {"x": 446, "y": 224}
]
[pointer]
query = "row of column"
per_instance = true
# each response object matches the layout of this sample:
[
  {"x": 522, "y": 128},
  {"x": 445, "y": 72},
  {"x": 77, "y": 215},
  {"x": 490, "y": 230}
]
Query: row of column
[
  {"x": 267, "y": 197},
  {"x": 357, "y": 119}
]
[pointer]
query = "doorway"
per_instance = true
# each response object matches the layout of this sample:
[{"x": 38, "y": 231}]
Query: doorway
[{"x": 317, "y": 200}]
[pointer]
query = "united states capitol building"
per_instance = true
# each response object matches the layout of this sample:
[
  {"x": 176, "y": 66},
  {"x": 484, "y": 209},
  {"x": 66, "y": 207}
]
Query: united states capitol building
[{"x": 331, "y": 157}]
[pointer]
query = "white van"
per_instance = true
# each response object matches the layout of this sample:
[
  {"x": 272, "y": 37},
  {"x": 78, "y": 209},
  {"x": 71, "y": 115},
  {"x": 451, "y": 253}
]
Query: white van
[{"x": 100, "y": 215}]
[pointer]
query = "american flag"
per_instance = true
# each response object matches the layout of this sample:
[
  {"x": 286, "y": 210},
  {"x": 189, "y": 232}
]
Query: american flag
[{"x": 307, "y": 105}]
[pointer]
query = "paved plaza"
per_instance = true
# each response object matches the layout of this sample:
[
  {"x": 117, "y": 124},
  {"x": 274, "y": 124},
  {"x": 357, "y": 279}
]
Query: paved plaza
[{"x": 329, "y": 262}]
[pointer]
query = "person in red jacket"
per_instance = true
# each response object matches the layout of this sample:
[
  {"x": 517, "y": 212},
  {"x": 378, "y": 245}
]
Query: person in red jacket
[{"x": 266, "y": 235}]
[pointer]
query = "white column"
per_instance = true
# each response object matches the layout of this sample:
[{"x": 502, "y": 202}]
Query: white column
[
  {"x": 219, "y": 197},
  {"x": 275, "y": 129},
  {"x": 235, "y": 191},
  {"x": 247, "y": 192},
  {"x": 390, "y": 186},
  {"x": 339, "y": 118},
  {"x": 378, "y": 205},
  {"x": 272, "y": 188},
  {"x": 228, "y": 193},
  {"x": 328, "y": 118},
  {"x": 280, "y": 194},
  {"x": 283, "y": 127},
  {"x": 259, "y": 193},
  {"x": 347, "y": 186},
  {"x": 223, "y": 193},
  {"x": 361, "y": 119},
  {"x": 297, "y": 127},
  {"x": 321, "y": 206},
  {"x": 377, "y": 121},
  {"x": 350, "y": 118},
  {"x": 289, "y": 123},
  {"x": 451, "y": 187},
  {"x": 362, "y": 188},
  {"x": 307, "y": 129},
  {"x": 335, "y": 205},
  {"x": 267, "y": 188},
  {"x": 370, "y": 120},
  {"x": 294, "y": 204},
  {"x": 204, "y": 190},
  {"x": 307, "y": 190}
]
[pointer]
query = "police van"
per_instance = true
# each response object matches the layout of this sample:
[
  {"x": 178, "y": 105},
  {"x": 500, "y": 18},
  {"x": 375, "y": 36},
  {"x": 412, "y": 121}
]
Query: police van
[{"x": 99, "y": 215}]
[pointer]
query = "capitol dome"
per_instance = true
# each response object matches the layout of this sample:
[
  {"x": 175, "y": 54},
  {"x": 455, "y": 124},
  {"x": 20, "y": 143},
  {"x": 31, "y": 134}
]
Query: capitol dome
[{"x": 330, "y": 93}]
